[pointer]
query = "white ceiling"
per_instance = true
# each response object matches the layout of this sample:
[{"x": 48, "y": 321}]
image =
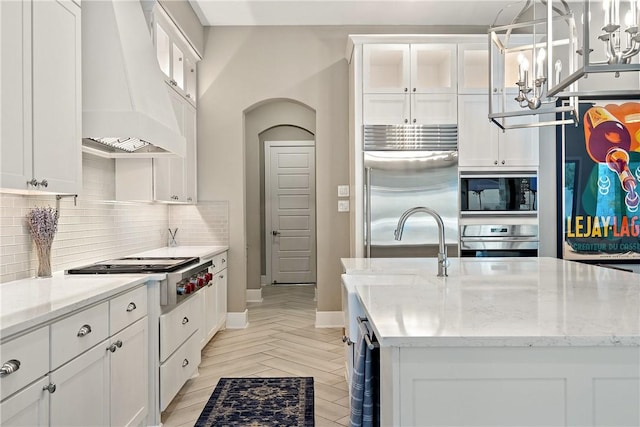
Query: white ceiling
[{"x": 349, "y": 12}]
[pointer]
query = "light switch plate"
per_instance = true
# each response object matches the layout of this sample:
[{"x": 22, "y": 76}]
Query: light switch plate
[
  {"x": 343, "y": 206},
  {"x": 343, "y": 191}
]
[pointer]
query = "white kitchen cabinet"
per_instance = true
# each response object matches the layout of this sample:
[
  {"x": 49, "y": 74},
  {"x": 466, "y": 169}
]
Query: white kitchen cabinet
[
  {"x": 482, "y": 144},
  {"x": 409, "y": 68},
  {"x": 28, "y": 407},
  {"x": 164, "y": 179},
  {"x": 409, "y": 84},
  {"x": 84, "y": 374},
  {"x": 81, "y": 396},
  {"x": 41, "y": 96},
  {"x": 473, "y": 68},
  {"x": 129, "y": 384},
  {"x": 418, "y": 109},
  {"x": 215, "y": 299},
  {"x": 175, "y": 56}
]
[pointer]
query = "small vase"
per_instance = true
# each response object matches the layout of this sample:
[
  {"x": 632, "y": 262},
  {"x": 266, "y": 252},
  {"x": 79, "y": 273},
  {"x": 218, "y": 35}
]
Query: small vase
[{"x": 44, "y": 259}]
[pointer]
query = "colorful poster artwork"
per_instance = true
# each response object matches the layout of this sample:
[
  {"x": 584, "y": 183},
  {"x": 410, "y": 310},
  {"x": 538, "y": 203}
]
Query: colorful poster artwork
[{"x": 601, "y": 215}]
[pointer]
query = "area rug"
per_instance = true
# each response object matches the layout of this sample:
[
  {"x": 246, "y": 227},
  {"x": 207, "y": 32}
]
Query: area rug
[{"x": 258, "y": 402}]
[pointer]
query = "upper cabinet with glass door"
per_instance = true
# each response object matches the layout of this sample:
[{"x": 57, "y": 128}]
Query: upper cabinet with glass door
[
  {"x": 409, "y": 68},
  {"x": 176, "y": 57}
]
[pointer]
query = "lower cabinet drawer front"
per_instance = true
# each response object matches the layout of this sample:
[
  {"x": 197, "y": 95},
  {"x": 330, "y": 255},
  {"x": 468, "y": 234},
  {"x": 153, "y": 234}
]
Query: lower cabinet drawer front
[
  {"x": 78, "y": 333},
  {"x": 178, "y": 325},
  {"x": 219, "y": 262},
  {"x": 128, "y": 308},
  {"x": 178, "y": 369},
  {"x": 28, "y": 356}
]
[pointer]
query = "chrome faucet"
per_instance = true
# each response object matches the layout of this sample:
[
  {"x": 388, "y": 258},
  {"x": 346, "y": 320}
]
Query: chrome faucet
[{"x": 442, "y": 251}]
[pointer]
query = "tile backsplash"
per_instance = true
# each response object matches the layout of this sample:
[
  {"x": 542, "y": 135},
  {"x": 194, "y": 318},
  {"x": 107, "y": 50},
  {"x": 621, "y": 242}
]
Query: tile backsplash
[{"x": 98, "y": 228}]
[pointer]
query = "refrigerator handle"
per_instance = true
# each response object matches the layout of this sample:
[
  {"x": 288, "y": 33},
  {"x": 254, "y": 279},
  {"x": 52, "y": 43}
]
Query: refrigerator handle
[{"x": 368, "y": 211}]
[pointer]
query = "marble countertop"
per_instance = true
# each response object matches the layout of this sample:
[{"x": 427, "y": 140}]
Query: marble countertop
[
  {"x": 30, "y": 302},
  {"x": 496, "y": 302}
]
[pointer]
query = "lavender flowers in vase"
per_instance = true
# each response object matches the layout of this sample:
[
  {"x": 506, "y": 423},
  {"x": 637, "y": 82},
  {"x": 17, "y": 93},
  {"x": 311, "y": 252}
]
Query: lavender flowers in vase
[{"x": 43, "y": 224}]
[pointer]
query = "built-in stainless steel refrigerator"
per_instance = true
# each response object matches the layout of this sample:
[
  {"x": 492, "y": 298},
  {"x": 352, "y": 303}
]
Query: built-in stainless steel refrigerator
[{"x": 399, "y": 177}]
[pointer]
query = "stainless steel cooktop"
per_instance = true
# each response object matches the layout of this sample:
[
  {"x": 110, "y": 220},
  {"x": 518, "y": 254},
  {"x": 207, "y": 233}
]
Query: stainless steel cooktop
[{"x": 135, "y": 265}]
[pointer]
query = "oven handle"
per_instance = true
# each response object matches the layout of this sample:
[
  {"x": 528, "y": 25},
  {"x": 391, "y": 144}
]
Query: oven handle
[{"x": 498, "y": 239}]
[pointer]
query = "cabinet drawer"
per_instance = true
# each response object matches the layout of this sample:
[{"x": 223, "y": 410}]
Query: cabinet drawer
[
  {"x": 31, "y": 351},
  {"x": 178, "y": 369},
  {"x": 178, "y": 325},
  {"x": 127, "y": 308},
  {"x": 78, "y": 333},
  {"x": 219, "y": 262}
]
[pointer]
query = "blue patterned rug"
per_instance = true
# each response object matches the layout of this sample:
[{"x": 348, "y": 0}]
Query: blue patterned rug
[{"x": 259, "y": 402}]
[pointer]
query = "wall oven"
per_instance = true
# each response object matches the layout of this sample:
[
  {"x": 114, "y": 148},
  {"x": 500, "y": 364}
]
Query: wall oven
[
  {"x": 507, "y": 193},
  {"x": 499, "y": 240}
]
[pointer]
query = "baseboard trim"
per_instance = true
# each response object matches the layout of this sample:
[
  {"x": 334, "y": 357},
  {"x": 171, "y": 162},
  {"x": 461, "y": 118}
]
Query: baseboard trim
[
  {"x": 254, "y": 295},
  {"x": 329, "y": 319},
  {"x": 238, "y": 320}
]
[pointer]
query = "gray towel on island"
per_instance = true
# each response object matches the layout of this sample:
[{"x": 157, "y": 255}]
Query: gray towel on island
[{"x": 365, "y": 407}]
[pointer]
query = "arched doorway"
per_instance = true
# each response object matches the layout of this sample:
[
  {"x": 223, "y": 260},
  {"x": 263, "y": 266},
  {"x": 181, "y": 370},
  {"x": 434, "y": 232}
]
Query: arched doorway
[{"x": 270, "y": 120}]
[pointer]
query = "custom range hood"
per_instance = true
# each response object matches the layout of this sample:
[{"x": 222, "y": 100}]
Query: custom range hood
[{"x": 126, "y": 109}]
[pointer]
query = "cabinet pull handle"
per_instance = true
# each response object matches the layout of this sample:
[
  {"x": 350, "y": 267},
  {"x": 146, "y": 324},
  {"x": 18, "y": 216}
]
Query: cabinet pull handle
[
  {"x": 51, "y": 388},
  {"x": 112, "y": 348},
  {"x": 44, "y": 183},
  {"x": 185, "y": 320},
  {"x": 33, "y": 182},
  {"x": 346, "y": 339},
  {"x": 86, "y": 329},
  {"x": 9, "y": 367},
  {"x": 119, "y": 343},
  {"x": 185, "y": 362},
  {"x": 131, "y": 307}
]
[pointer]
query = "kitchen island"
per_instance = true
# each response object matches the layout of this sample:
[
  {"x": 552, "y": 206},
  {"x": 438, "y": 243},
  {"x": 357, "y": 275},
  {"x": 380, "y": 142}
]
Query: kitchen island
[{"x": 502, "y": 341}]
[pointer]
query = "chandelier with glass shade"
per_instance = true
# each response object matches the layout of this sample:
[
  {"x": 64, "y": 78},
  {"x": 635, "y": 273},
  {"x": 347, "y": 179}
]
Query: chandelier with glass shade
[{"x": 540, "y": 60}]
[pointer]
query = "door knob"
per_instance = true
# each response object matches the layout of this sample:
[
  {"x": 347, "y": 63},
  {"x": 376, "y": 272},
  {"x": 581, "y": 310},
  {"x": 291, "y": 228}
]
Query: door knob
[{"x": 275, "y": 232}]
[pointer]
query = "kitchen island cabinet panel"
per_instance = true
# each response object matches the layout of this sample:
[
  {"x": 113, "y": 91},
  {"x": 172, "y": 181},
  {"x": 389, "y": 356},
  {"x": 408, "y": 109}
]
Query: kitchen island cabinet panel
[{"x": 178, "y": 369}]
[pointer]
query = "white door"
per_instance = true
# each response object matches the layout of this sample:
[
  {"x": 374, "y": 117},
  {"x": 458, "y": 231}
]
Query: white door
[{"x": 290, "y": 212}]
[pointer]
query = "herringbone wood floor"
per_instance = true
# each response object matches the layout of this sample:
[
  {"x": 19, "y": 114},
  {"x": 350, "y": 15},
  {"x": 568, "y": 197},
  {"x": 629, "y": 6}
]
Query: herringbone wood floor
[{"x": 281, "y": 340}]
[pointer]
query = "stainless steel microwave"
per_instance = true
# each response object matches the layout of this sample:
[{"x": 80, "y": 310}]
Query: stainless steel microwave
[{"x": 503, "y": 193}]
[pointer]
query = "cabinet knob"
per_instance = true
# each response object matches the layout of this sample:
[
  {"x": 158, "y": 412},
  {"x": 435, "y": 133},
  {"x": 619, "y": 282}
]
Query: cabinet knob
[
  {"x": 51, "y": 388},
  {"x": 33, "y": 182},
  {"x": 406, "y": 120},
  {"x": 222, "y": 276},
  {"x": 119, "y": 343},
  {"x": 44, "y": 183},
  {"x": 185, "y": 362},
  {"x": 224, "y": 260},
  {"x": 406, "y": 89},
  {"x": 503, "y": 162},
  {"x": 131, "y": 307},
  {"x": 345, "y": 339},
  {"x": 415, "y": 120},
  {"x": 495, "y": 162},
  {"x": 112, "y": 348},
  {"x": 189, "y": 199},
  {"x": 85, "y": 330},
  {"x": 414, "y": 89},
  {"x": 9, "y": 367},
  {"x": 188, "y": 95},
  {"x": 185, "y": 320}
]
